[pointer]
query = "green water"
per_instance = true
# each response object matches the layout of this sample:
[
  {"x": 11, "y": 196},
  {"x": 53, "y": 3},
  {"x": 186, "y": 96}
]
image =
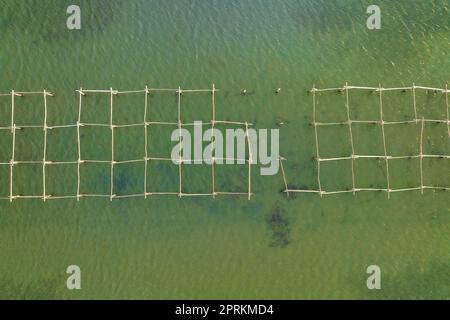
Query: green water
[{"x": 164, "y": 247}]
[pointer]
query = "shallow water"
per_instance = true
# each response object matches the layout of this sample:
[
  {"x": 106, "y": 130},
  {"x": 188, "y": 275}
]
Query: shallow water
[{"x": 269, "y": 247}]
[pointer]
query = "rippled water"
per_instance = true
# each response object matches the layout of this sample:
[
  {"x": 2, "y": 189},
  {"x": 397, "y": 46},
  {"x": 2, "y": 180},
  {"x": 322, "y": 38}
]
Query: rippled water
[{"x": 270, "y": 247}]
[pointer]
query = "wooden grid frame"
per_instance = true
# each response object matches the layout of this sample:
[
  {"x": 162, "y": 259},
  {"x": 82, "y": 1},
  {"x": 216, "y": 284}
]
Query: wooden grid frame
[
  {"x": 147, "y": 157},
  {"x": 353, "y": 157}
]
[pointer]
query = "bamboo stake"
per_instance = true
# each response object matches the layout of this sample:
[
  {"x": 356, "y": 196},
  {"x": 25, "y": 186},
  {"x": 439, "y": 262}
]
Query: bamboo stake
[
  {"x": 45, "y": 148},
  {"x": 213, "y": 174},
  {"x": 11, "y": 197},
  {"x": 384, "y": 145},
  {"x": 448, "y": 110},
  {"x": 145, "y": 140},
  {"x": 112, "y": 144},
  {"x": 250, "y": 161},
  {"x": 81, "y": 94},
  {"x": 347, "y": 106},
  {"x": 286, "y": 189},
  {"x": 313, "y": 90},
  {"x": 13, "y": 94},
  {"x": 421, "y": 157},
  {"x": 414, "y": 102},
  {"x": 180, "y": 194}
]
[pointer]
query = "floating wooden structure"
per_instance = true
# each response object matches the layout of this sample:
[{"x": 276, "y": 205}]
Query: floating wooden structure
[
  {"x": 147, "y": 157},
  {"x": 353, "y": 157}
]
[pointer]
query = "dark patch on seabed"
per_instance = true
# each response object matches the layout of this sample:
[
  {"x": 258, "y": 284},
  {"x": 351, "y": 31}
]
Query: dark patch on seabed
[{"x": 279, "y": 227}]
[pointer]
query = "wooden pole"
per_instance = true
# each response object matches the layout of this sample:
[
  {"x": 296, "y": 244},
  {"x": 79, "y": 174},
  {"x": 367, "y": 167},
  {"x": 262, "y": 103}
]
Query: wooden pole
[
  {"x": 313, "y": 90},
  {"x": 145, "y": 140},
  {"x": 250, "y": 161},
  {"x": 384, "y": 145},
  {"x": 112, "y": 144},
  {"x": 12, "y": 162},
  {"x": 421, "y": 156},
  {"x": 180, "y": 193},
  {"x": 414, "y": 102},
  {"x": 13, "y": 132},
  {"x": 347, "y": 106},
  {"x": 286, "y": 189},
  {"x": 81, "y": 94},
  {"x": 213, "y": 160},
  {"x": 448, "y": 110},
  {"x": 45, "y": 148},
  {"x": 13, "y": 95}
]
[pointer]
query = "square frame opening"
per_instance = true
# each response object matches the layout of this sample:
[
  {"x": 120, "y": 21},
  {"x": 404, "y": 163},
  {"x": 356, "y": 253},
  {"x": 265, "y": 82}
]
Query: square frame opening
[
  {"x": 231, "y": 178},
  {"x": 334, "y": 141},
  {"x": 5, "y": 146},
  {"x": 129, "y": 143},
  {"x": 159, "y": 142},
  {"x": 368, "y": 139},
  {"x": 402, "y": 139},
  {"x": 129, "y": 179},
  {"x": 28, "y": 180},
  {"x": 61, "y": 180},
  {"x": 29, "y": 109},
  {"x": 95, "y": 179},
  {"x": 370, "y": 173},
  {"x": 330, "y": 107},
  {"x": 95, "y": 143},
  {"x": 128, "y": 108},
  {"x": 162, "y": 177},
  {"x": 196, "y": 178},
  {"x": 336, "y": 175},
  {"x": 196, "y": 106},
  {"x": 62, "y": 144},
  {"x": 162, "y": 107},
  {"x": 404, "y": 173},
  {"x": 29, "y": 144},
  {"x": 96, "y": 108}
]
